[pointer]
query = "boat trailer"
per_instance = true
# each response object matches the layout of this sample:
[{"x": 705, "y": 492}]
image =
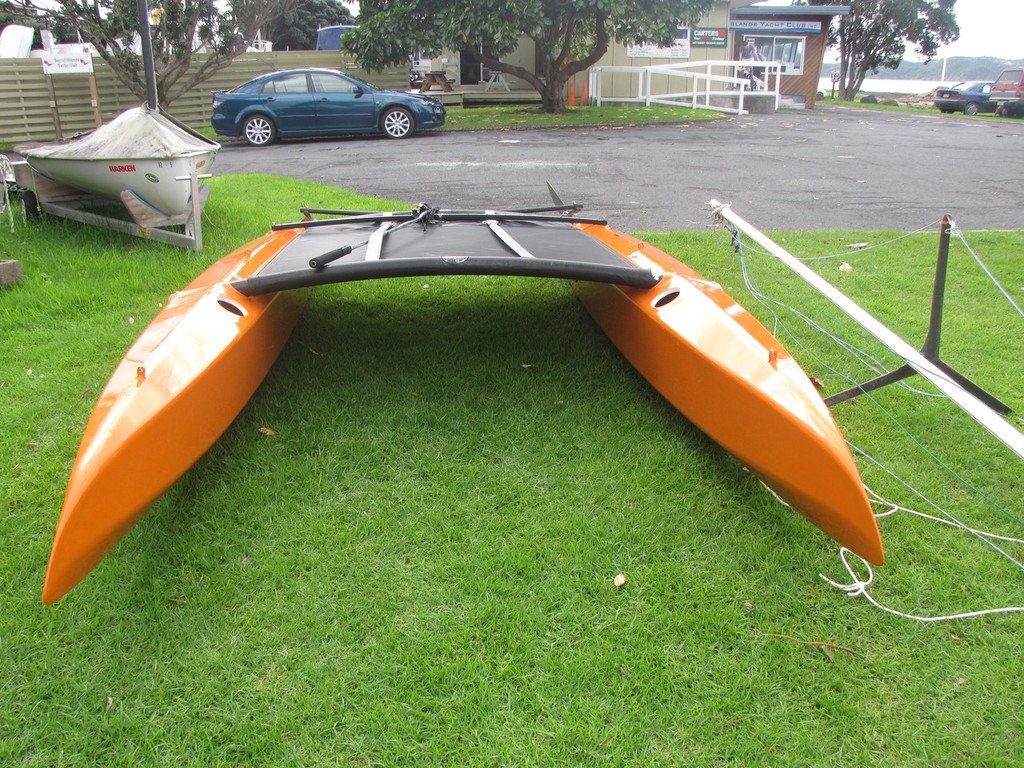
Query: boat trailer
[{"x": 41, "y": 195}]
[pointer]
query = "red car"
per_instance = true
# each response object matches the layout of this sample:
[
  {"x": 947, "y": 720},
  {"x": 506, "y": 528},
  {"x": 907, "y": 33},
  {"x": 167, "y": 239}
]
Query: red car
[{"x": 1008, "y": 92}]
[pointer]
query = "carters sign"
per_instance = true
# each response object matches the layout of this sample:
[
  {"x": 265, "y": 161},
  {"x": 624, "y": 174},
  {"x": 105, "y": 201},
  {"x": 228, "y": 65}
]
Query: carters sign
[
  {"x": 67, "y": 64},
  {"x": 709, "y": 37}
]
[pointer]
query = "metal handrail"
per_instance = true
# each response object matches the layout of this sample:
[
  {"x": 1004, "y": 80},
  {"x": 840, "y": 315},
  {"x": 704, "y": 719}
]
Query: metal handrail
[{"x": 702, "y": 84}]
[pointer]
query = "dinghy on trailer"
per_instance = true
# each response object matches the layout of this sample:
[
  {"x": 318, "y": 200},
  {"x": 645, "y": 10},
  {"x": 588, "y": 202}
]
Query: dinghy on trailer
[
  {"x": 143, "y": 158},
  {"x": 146, "y": 159},
  {"x": 703, "y": 352}
]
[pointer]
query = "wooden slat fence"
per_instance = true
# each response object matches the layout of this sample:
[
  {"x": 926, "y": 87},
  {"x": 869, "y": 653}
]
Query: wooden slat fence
[{"x": 25, "y": 112}]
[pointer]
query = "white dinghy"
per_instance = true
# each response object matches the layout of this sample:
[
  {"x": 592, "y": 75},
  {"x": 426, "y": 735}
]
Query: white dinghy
[{"x": 144, "y": 157}]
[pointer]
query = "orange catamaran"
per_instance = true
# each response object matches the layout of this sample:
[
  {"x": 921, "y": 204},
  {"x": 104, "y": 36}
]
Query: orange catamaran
[{"x": 202, "y": 358}]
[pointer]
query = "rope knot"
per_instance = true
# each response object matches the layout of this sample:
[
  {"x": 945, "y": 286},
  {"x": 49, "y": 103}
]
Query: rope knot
[{"x": 856, "y": 587}]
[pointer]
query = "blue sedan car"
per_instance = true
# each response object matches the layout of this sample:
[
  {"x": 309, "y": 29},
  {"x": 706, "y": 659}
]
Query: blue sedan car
[
  {"x": 969, "y": 98},
  {"x": 317, "y": 102}
]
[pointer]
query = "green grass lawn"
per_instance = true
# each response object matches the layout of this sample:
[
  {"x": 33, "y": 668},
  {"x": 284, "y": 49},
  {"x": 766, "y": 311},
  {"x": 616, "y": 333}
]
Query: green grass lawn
[
  {"x": 532, "y": 117},
  {"x": 416, "y": 567},
  {"x": 520, "y": 117}
]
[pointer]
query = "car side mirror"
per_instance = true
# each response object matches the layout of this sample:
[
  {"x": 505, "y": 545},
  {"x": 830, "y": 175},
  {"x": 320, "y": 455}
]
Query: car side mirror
[{"x": 357, "y": 90}]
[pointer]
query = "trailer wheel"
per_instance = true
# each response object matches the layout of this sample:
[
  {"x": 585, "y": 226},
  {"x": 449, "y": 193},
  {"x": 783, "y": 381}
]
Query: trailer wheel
[{"x": 30, "y": 204}]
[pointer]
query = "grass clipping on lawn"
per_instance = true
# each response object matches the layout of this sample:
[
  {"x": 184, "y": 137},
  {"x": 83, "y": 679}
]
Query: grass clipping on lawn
[{"x": 406, "y": 550}]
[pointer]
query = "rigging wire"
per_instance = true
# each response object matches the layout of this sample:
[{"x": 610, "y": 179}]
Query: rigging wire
[
  {"x": 871, "y": 362},
  {"x": 929, "y": 227},
  {"x": 959, "y": 235},
  {"x": 859, "y": 586},
  {"x": 859, "y": 353},
  {"x": 984, "y": 536}
]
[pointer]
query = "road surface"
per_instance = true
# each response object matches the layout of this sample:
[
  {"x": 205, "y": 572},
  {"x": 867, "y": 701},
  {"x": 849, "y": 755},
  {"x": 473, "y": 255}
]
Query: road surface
[{"x": 828, "y": 168}]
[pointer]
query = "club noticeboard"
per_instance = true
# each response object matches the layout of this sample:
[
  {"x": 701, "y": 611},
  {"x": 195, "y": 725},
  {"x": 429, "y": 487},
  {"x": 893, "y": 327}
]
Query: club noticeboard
[{"x": 680, "y": 48}]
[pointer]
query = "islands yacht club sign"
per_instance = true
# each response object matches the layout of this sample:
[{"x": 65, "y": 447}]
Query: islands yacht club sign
[{"x": 765, "y": 25}]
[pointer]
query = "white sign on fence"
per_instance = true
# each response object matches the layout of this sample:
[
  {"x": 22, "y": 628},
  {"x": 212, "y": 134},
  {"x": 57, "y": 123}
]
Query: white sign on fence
[
  {"x": 67, "y": 64},
  {"x": 680, "y": 50}
]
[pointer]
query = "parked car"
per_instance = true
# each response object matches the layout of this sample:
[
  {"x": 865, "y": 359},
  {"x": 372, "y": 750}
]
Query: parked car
[
  {"x": 969, "y": 98},
  {"x": 1008, "y": 92},
  {"x": 317, "y": 102}
]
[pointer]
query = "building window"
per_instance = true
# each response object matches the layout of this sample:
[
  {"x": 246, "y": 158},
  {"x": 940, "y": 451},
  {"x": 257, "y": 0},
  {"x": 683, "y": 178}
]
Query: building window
[{"x": 787, "y": 51}]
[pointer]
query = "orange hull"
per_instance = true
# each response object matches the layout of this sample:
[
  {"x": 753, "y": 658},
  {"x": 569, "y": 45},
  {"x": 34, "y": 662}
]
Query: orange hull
[
  {"x": 728, "y": 375},
  {"x": 175, "y": 392},
  {"x": 197, "y": 364}
]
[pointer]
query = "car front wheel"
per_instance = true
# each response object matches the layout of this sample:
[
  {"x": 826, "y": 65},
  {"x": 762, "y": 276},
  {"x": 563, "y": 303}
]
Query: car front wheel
[
  {"x": 396, "y": 123},
  {"x": 971, "y": 108},
  {"x": 258, "y": 130}
]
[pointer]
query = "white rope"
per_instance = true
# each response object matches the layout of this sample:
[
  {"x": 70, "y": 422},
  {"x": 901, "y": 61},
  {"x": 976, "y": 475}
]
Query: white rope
[{"x": 859, "y": 587}]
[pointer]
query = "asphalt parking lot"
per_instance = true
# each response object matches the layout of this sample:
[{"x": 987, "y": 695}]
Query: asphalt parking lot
[{"x": 831, "y": 167}]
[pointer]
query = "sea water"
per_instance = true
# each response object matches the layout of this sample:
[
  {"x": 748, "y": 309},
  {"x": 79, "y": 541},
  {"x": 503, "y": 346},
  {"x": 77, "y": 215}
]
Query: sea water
[{"x": 880, "y": 85}]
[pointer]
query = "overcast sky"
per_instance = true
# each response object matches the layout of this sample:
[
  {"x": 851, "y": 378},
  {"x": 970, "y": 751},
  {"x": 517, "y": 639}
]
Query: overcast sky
[{"x": 987, "y": 28}]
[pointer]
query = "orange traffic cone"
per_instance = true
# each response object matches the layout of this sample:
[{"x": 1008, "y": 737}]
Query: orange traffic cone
[
  {"x": 572, "y": 94},
  {"x": 584, "y": 96}
]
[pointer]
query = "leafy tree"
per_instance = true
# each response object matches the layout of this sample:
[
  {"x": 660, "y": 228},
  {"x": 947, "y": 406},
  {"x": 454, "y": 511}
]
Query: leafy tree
[
  {"x": 21, "y": 12},
  {"x": 295, "y": 30},
  {"x": 876, "y": 34},
  {"x": 16, "y": 13},
  {"x": 570, "y": 35},
  {"x": 181, "y": 30}
]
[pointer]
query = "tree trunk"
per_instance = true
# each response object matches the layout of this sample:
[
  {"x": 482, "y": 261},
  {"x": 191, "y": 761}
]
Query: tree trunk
[
  {"x": 550, "y": 84},
  {"x": 851, "y": 77},
  {"x": 553, "y": 93},
  {"x": 551, "y": 88},
  {"x": 849, "y": 86}
]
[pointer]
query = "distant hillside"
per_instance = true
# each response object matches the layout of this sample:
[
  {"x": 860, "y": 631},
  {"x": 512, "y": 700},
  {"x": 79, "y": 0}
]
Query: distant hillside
[{"x": 957, "y": 68}]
